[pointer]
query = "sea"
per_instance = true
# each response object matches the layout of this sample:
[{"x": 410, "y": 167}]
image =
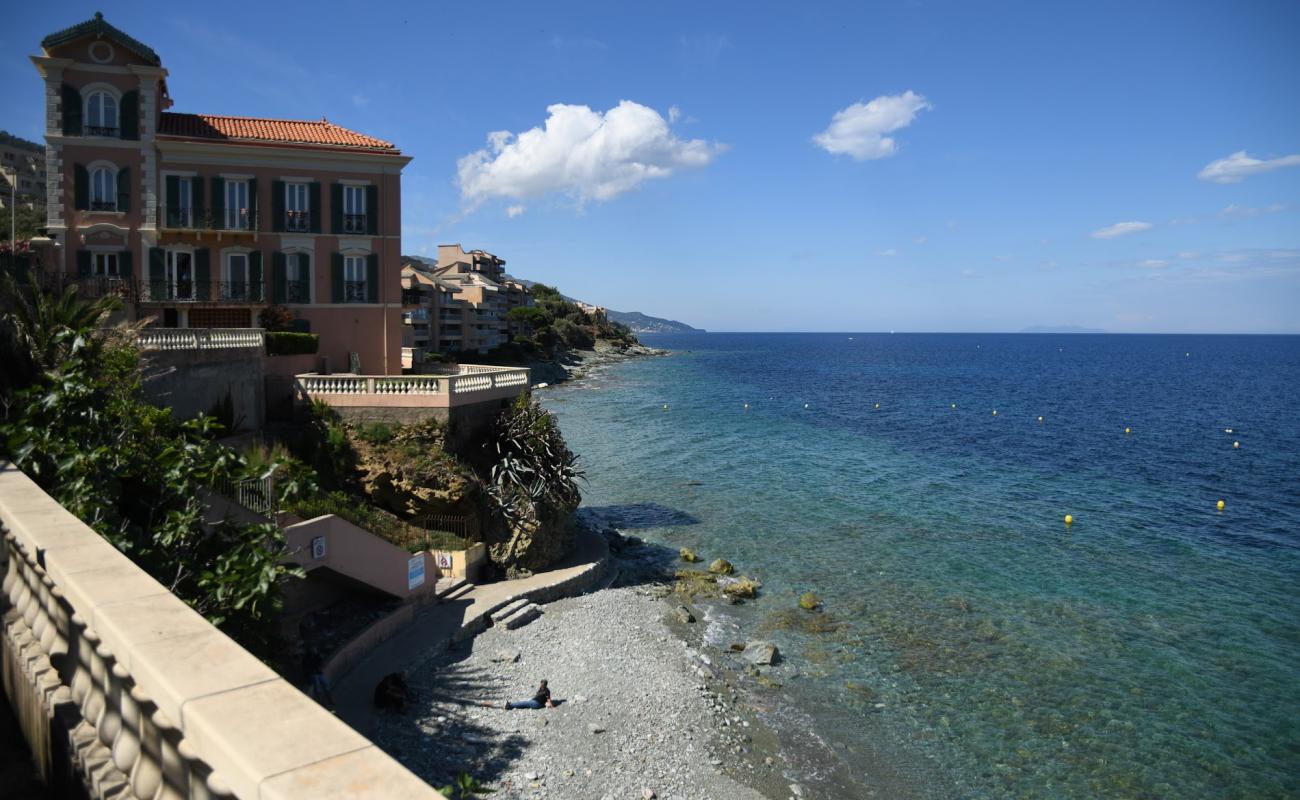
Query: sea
[{"x": 971, "y": 643}]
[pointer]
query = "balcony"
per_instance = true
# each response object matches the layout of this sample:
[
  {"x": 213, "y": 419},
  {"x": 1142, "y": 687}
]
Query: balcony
[
  {"x": 100, "y": 130},
  {"x": 103, "y": 205},
  {"x": 219, "y": 220},
  {"x": 412, "y": 297},
  {"x": 198, "y": 338},
  {"x": 355, "y": 223},
  {"x": 179, "y": 217},
  {"x": 297, "y": 292},
  {"x": 468, "y": 385},
  {"x": 88, "y": 286},
  {"x": 190, "y": 291},
  {"x": 297, "y": 221},
  {"x": 354, "y": 292}
]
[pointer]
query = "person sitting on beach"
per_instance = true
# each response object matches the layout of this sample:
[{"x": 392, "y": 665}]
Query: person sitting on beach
[{"x": 542, "y": 699}]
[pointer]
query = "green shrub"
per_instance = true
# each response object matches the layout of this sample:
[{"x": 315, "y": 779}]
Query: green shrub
[
  {"x": 375, "y": 433},
  {"x": 288, "y": 343},
  {"x": 275, "y": 318}
]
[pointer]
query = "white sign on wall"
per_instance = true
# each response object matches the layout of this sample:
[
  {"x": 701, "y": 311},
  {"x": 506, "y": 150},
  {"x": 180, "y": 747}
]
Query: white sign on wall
[
  {"x": 318, "y": 548},
  {"x": 415, "y": 571},
  {"x": 444, "y": 560}
]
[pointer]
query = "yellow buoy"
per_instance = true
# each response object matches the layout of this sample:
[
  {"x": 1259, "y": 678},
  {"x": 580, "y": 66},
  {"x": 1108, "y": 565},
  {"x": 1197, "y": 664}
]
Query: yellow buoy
[
  {"x": 1128, "y": 430},
  {"x": 1219, "y": 505},
  {"x": 1236, "y": 445},
  {"x": 1069, "y": 520}
]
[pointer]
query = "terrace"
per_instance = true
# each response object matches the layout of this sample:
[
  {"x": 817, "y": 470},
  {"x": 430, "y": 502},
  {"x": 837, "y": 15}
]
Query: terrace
[{"x": 467, "y": 385}]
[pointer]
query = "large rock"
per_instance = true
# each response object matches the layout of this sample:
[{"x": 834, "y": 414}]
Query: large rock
[
  {"x": 688, "y": 555},
  {"x": 721, "y": 566},
  {"x": 760, "y": 653},
  {"x": 684, "y": 614}
]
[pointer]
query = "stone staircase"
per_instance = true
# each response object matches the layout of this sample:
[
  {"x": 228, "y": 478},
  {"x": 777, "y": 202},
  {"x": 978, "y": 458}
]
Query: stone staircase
[
  {"x": 453, "y": 588},
  {"x": 516, "y": 614}
]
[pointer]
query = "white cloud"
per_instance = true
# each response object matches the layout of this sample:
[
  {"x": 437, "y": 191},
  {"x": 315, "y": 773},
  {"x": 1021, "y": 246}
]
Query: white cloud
[
  {"x": 1120, "y": 229},
  {"x": 1234, "y": 210},
  {"x": 674, "y": 114},
  {"x": 888, "y": 252},
  {"x": 1154, "y": 263},
  {"x": 589, "y": 155},
  {"x": 859, "y": 130},
  {"x": 1239, "y": 165},
  {"x": 514, "y": 211},
  {"x": 920, "y": 239}
]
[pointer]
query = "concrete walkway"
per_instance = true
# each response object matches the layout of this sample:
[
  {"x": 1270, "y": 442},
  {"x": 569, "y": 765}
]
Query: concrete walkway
[{"x": 466, "y": 615}]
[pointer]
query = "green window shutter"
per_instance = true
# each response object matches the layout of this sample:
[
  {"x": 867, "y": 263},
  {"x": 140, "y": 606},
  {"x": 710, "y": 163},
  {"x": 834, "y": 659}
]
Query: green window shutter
[
  {"x": 336, "y": 208},
  {"x": 253, "y": 223},
  {"x": 255, "y": 292},
  {"x": 157, "y": 272},
  {"x": 336, "y": 277},
  {"x": 218, "y": 208},
  {"x": 71, "y": 111},
  {"x": 130, "y": 111},
  {"x": 202, "y": 274},
  {"x": 278, "y": 269},
  {"x": 196, "y": 201},
  {"x": 372, "y": 278},
  {"x": 83, "y": 263},
  {"x": 277, "y": 205},
  {"x": 172, "y": 201},
  {"x": 305, "y": 275},
  {"x": 124, "y": 189},
  {"x": 80, "y": 187},
  {"x": 124, "y": 265},
  {"x": 372, "y": 210},
  {"x": 314, "y": 209}
]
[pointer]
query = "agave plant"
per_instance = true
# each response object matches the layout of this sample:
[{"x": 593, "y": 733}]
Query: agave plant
[{"x": 533, "y": 464}]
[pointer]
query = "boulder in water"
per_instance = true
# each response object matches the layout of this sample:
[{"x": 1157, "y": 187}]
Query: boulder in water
[
  {"x": 761, "y": 653},
  {"x": 721, "y": 566},
  {"x": 688, "y": 555},
  {"x": 810, "y": 601}
]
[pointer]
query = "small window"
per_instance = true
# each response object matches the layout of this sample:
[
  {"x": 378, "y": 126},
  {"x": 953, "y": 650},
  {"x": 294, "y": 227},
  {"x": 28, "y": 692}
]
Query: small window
[
  {"x": 104, "y": 265},
  {"x": 101, "y": 114},
  {"x": 354, "y": 279},
  {"x": 296, "y": 208},
  {"x": 237, "y": 211},
  {"x": 103, "y": 190},
  {"x": 297, "y": 281},
  {"x": 236, "y": 287},
  {"x": 182, "y": 215},
  {"x": 354, "y": 209}
]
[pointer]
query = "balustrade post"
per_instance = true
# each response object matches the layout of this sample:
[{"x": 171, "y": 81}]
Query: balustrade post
[
  {"x": 78, "y": 672},
  {"x": 370, "y": 385},
  {"x": 175, "y": 769},
  {"x": 146, "y": 773},
  {"x": 126, "y": 746},
  {"x": 109, "y": 721}
]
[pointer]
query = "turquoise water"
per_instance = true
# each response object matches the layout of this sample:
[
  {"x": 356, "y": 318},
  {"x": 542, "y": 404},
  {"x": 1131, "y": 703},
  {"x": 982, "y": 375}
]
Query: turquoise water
[{"x": 982, "y": 648}]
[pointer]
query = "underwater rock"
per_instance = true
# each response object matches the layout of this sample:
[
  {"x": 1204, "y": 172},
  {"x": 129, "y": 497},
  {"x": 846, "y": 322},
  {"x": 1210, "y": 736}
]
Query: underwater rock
[
  {"x": 743, "y": 588},
  {"x": 688, "y": 555},
  {"x": 810, "y": 601},
  {"x": 721, "y": 566},
  {"x": 761, "y": 653}
]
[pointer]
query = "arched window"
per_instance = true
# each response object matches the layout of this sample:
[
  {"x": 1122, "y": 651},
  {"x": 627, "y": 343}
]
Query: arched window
[
  {"x": 103, "y": 189},
  {"x": 101, "y": 114}
]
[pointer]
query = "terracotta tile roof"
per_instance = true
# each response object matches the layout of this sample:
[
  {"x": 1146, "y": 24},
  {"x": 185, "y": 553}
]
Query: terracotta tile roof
[
  {"x": 98, "y": 27},
  {"x": 292, "y": 131}
]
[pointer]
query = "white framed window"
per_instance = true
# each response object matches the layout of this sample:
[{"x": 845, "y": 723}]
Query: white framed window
[
  {"x": 297, "y": 277},
  {"x": 354, "y": 279},
  {"x": 237, "y": 216},
  {"x": 103, "y": 189},
  {"x": 354, "y": 209},
  {"x": 101, "y": 114},
  {"x": 103, "y": 265},
  {"x": 297, "y": 211},
  {"x": 236, "y": 277},
  {"x": 179, "y": 283},
  {"x": 182, "y": 214}
]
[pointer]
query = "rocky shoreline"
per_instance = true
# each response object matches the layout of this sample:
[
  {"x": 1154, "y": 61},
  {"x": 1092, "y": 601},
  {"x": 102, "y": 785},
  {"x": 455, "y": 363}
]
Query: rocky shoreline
[
  {"x": 644, "y": 710},
  {"x": 576, "y": 364}
]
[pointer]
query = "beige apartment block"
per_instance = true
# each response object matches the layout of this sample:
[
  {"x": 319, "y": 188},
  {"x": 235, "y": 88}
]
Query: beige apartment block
[
  {"x": 22, "y": 173},
  {"x": 486, "y": 295}
]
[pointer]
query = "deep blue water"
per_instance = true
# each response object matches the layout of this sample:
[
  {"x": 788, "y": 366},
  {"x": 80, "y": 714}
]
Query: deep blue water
[{"x": 1150, "y": 650}]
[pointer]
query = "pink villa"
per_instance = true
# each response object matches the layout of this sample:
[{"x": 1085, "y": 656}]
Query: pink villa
[{"x": 201, "y": 221}]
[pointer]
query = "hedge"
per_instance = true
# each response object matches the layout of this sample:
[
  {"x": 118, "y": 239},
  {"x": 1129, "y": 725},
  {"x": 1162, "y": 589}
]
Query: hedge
[{"x": 287, "y": 343}]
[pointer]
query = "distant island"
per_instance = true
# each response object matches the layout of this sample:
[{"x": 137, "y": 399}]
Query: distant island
[
  {"x": 1061, "y": 329},
  {"x": 644, "y": 323}
]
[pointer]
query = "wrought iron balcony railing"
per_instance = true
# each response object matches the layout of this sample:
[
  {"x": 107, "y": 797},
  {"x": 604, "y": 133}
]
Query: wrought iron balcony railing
[
  {"x": 179, "y": 217},
  {"x": 297, "y": 292},
  {"x": 100, "y": 130},
  {"x": 103, "y": 205},
  {"x": 354, "y": 292},
  {"x": 297, "y": 221},
  {"x": 210, "y": 219},
  {"x": 191, "y": 291},
  {"x": 355, "y": 223}
]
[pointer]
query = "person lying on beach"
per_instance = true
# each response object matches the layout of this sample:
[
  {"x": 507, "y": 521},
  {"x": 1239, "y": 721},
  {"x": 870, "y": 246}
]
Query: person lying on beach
[{"x": 542, "y": 699}]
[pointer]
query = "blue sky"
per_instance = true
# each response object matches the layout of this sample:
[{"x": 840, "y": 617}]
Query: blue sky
[{"x": 985, "y": 172}]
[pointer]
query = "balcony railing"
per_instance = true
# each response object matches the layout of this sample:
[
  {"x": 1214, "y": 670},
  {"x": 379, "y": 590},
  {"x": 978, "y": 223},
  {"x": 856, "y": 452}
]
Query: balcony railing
[
  {"x": 198, "y": 338},
  {"x": 100, "y": 130},
  {"x": 180, "y": 217},
  {"x": 297, "y": 221},
  {"x": 354, "y": 292},
  {"x": 103, "y": 205},
  {"x": 88, "y": 286},
  {"x": 355, "y": 223},
  {"x": 469, "y": 384},
  {"x": 412, "y": 297},
  {"x": 182, "y": 291},
  {"x": 297, "y": 292},
  {"x": 209, "y": 219}
]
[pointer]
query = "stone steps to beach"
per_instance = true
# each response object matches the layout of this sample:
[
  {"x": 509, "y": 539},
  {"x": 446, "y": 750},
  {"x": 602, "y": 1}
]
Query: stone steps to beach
[
  {"x": 509, "y": 609},
  {"x": 452, "y": 588},
  {"x": 522, "y": 617}
]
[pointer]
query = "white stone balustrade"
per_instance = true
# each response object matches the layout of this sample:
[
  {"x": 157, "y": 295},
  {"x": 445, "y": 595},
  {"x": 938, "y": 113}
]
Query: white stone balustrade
[
  {"x": 119, "y": 685},
  {"x": 198, "y": 338},
  {"x": 470, "y": 384}
]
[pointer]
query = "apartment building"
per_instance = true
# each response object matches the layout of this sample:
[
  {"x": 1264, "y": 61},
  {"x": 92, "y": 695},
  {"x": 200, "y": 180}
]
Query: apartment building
[
  {"x": 432, "y": 311},
  {"x": 486, "y": 295},
  {"x": 201, "y": 220},
  {"x": 22, "y": 173}
]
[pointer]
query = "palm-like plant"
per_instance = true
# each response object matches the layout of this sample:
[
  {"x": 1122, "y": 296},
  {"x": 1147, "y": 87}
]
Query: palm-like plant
[{"x": 40, "y": 327}]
